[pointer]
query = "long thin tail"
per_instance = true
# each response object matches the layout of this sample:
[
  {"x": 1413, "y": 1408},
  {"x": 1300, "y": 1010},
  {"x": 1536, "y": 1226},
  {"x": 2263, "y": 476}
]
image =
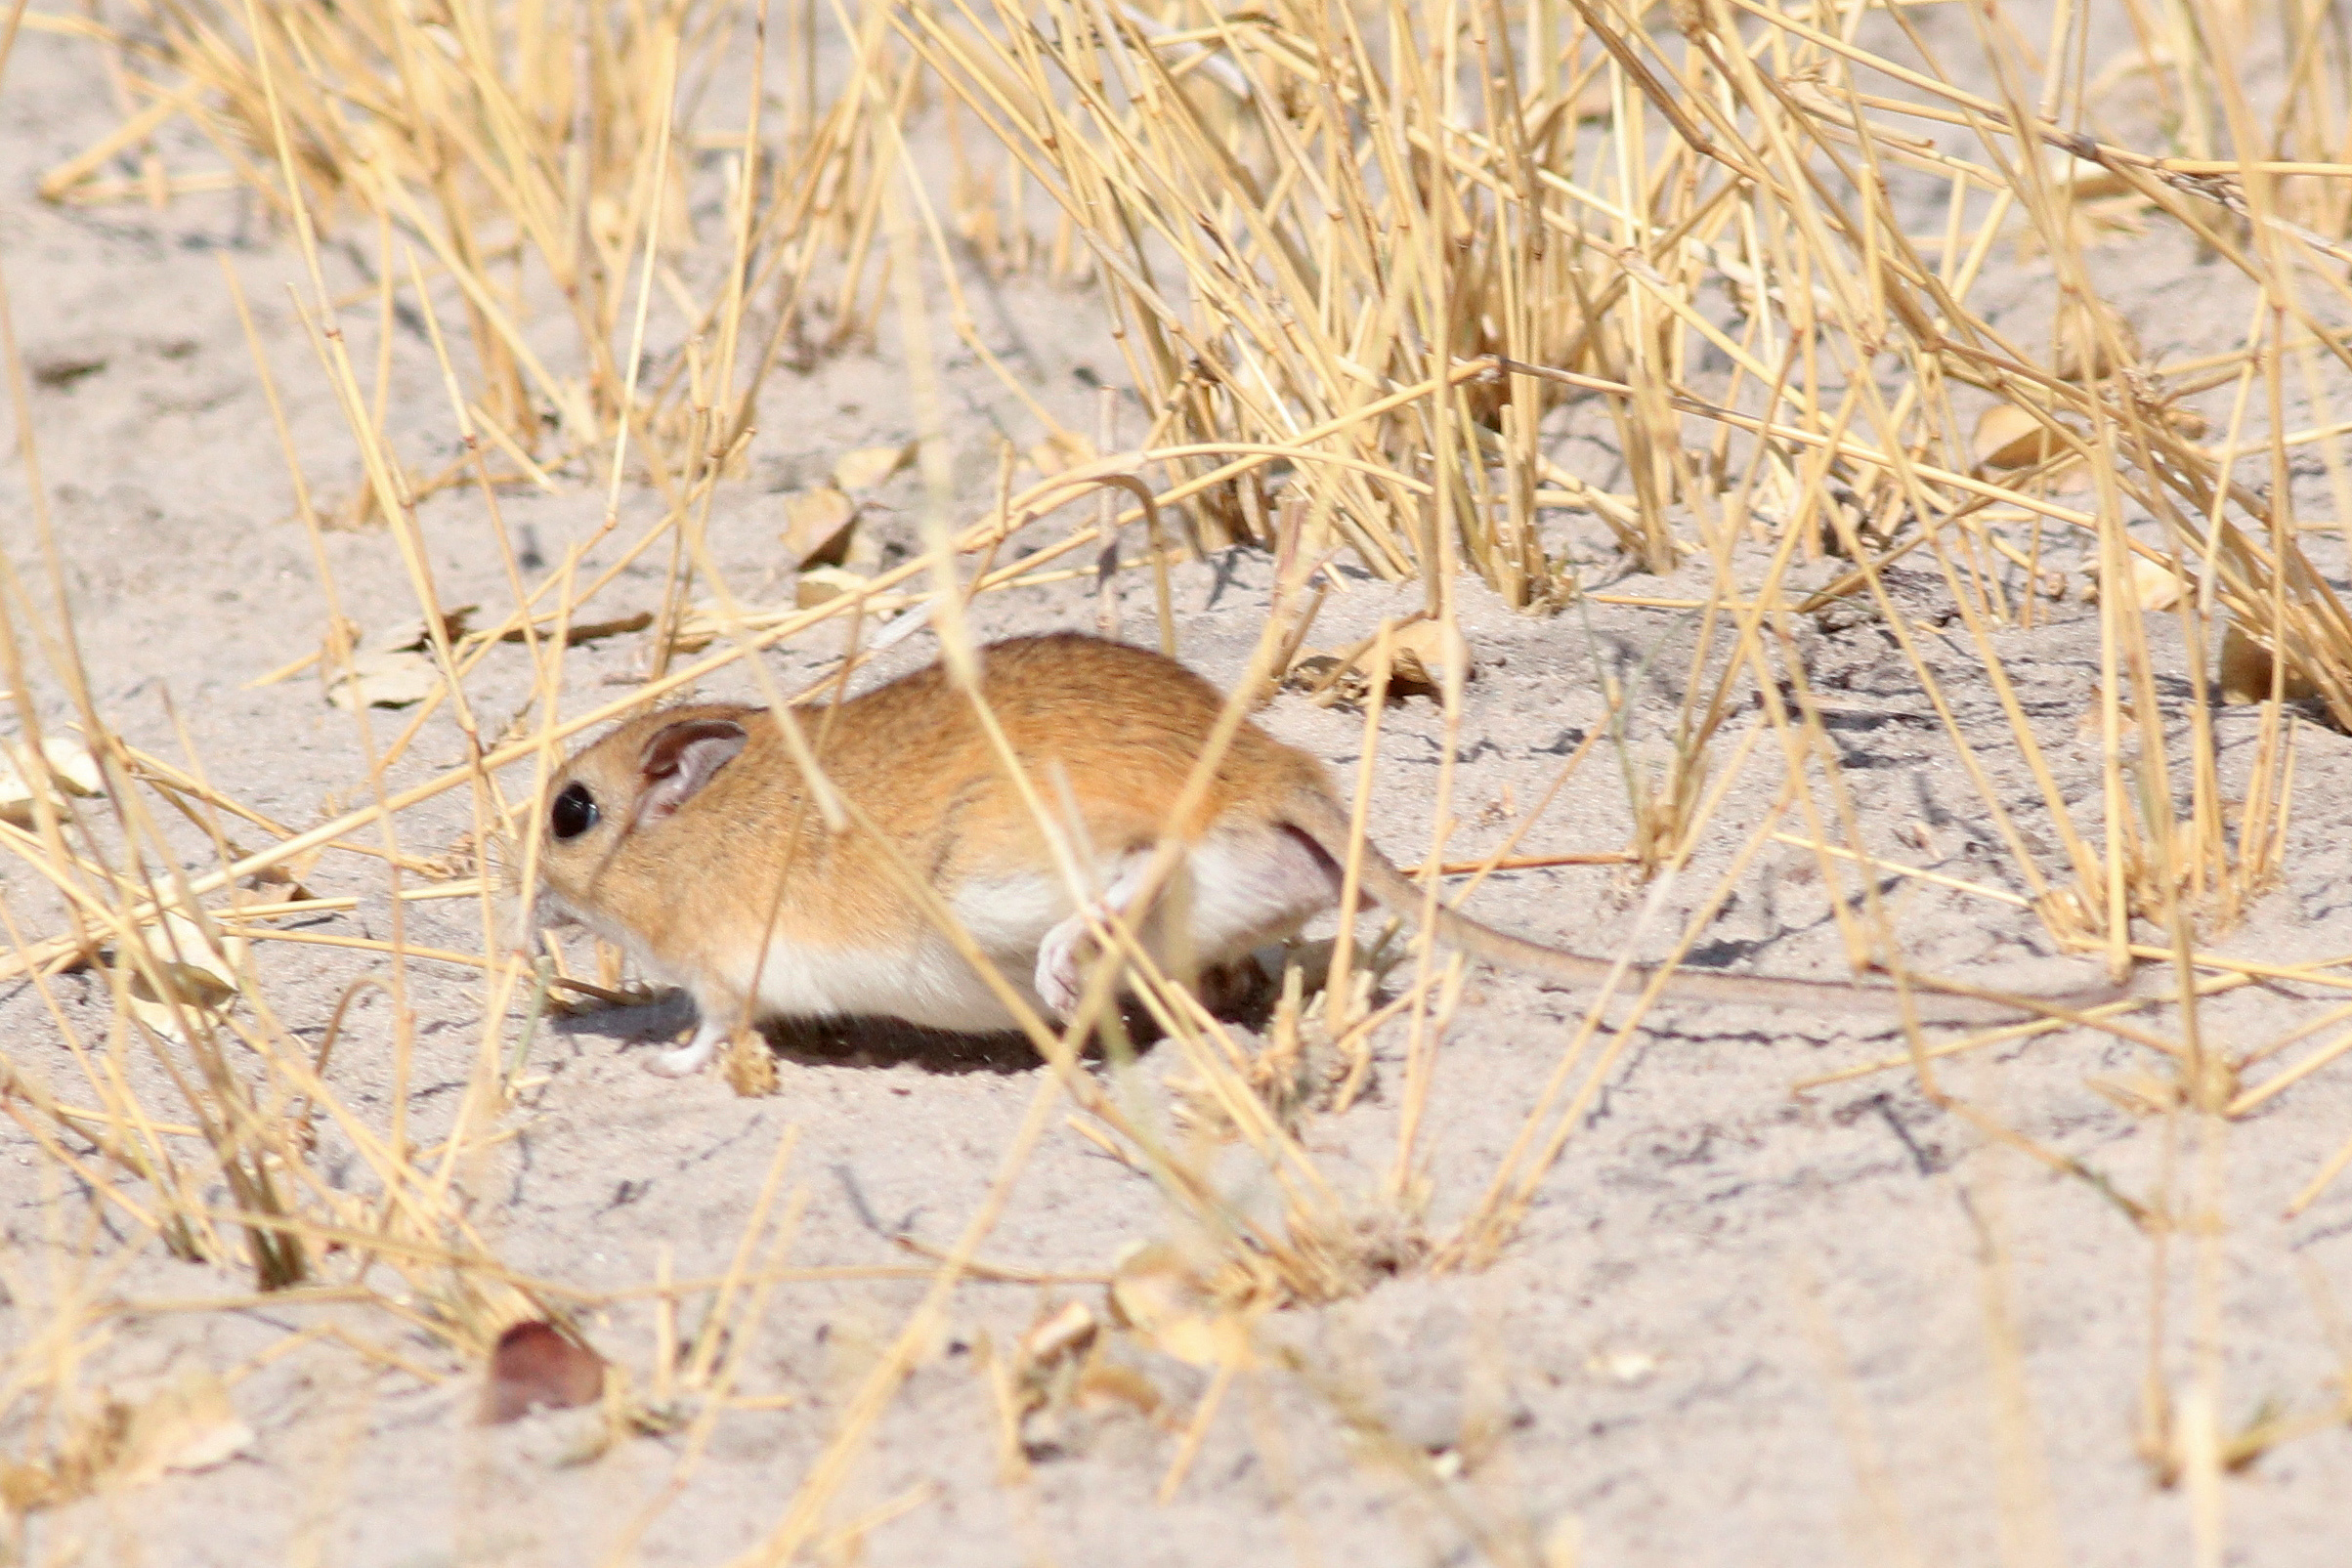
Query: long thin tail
[{"x": 1946, "y": 1002}]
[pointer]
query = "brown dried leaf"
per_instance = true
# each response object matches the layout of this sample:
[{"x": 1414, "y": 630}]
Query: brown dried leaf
[
  {"x": 283, "y": 884},
  {"x": 386, "y": 678},
  {"x": 1107, "y": 1382},
  {"x": 65, "y": 767},
  {"x": 2187, "y": 421},
  {"x": 536, "y": 1368},
  {"x": 183, "y": 968},
  {"x": 409, "y": 636},
  {"x": 2138, "y": 1093},
  {"x": 816, "y": 526},
  {"x": 869, "y": 466},
  {"x": 1071, "y": 1328},
  {"x": 1167, "y": 1307},
  {"x": 2091, "y": 181},
  {"x": 821, "y": 583},
  {"x": 588, "y": 631},
  {"x": 1060, "y": 454},
  {"x": 2008, "y": 437},
  {"x": 2246, "y": 671},
  {"x": 2087, "y": 352},
  {"x": 190, "y": 1426},
  {"x": 2155, "y": 585},
  {"x": 1421, "y": 653}
]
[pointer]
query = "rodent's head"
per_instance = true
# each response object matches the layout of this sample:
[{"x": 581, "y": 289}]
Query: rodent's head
[{"x": 624, "y": 786}]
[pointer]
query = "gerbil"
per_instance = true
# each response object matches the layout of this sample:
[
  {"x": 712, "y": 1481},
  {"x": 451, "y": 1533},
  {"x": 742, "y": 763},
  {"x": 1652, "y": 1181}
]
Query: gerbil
[{"x": 672, "y": 834}]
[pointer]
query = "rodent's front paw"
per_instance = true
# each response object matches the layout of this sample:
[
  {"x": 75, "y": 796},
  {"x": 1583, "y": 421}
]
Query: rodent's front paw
[{"x": 1059, "y": 969}]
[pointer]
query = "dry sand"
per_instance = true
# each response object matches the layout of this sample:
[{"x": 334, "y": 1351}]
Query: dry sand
[{"x": 1741, "y": 1326}]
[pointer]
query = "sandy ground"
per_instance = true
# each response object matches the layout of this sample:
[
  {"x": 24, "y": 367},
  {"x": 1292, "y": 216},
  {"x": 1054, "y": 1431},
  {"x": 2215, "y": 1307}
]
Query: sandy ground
[{"x": 1742, "y": 1325}]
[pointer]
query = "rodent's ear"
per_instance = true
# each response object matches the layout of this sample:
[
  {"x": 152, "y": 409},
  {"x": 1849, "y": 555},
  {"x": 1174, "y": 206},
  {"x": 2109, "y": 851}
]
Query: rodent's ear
[{"x": 682, "y": 758}]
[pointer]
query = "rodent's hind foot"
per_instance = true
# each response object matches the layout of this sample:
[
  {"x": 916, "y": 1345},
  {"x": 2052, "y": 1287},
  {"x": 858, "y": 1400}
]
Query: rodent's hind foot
[{"x": 684, "y": 1061}]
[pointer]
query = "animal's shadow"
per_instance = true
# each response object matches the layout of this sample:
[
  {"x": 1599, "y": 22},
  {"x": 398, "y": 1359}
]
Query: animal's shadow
[{"x": 1242, "y": 995}]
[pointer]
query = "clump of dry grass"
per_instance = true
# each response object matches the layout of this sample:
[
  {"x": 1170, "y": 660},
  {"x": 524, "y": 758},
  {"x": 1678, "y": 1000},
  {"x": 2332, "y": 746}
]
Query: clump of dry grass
[
  {"x": 1359, "y": 257},
  {"x": 521, "y": 158}
]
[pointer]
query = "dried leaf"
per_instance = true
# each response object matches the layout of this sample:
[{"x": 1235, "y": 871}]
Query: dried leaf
[
  {"x": 2091, "y": 181},
  {"x": 2008, "y": 437},
  {"x": 1107, "y": 1382},
  {"x": 283, "y": 884},
  {"x": 821, "y": 583},
  {"x": 186, "y": 975},
  {"x": 188, "y": 1427},
  {"x": 588, "y": 631},
  {"x": 64, "y": 768},
  {"x": 869, "y": 466},
  {"x": 1071, "y": 1328},
  {"x": 2096, "y": 345},
  {"x": 414, "y": 635},
  {"x": 699, "y": 627},
  {"x": 384, "y": 678},
  {"x": 2246, "y": 671},
  {"x": 816, "y": 526},
  {"x": 1060, "y": 454},
  {"x": 2155, "y": 585},
  {"x": 1421, "y": 653},
  {"x": 2187, "y": 421},
  {"x": 536, "y": 1368},
  {"x": 71, "y": 767},
  {"x": 1160, "y": 1299},
  {"x": 2138, "y": 1093}
]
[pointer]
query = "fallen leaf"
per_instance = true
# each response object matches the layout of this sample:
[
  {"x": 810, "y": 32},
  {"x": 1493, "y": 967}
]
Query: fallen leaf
[
  {"x": 64, "y": 768},
  {"x": 1108, "y": 1382},
  {"x": 184, "y": 974},
  {"x": 869, "y": 466},
  {"x": 2008, "y": 437},
  {"x": 699, "y": 627},
  {"x": 588, "y": 631},
  {"x": 2090, "y": 352},
  {"x": 1071, "y": 1328},
  {"x": 1419, "y": 653},
  {"x": 2246, "y": 671},
  {"x": 188, "y": 1427},
  {"x": 384, "y": 678},
  {"x": 1060, "y": 454},
  {"x": 412, "y": 635},
  {"x": 816, "y": 526},
  {"x": 2090, "y": 179},
  {"x": 536, "y": 1368},
  {"x": 1154, "y": 1294},
  {"x": 71, "y": 767},
  {"x": 284, "y": 884},
  {"x": 2187, "y": 421},
  {"x": 821, "y": 583},
  {"x": 1422, "y": 651},
  {"x": 2138, "y": 1093},
  {"x": 2155, "y": 584}
]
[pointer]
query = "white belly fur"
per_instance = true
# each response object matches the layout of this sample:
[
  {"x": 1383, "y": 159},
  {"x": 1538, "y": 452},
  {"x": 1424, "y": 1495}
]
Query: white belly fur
[
  {"x": 1247, "y": 889},
  {"x": 932, "y": 987}
]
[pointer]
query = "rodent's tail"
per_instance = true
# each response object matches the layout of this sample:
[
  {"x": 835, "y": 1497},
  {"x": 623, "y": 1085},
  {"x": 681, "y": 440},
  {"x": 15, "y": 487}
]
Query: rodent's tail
[{"x": 1320, "y": 819}]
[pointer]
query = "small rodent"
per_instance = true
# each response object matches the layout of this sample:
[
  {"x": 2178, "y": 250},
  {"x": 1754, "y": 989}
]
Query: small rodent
[{"x": 669, "y": 834}]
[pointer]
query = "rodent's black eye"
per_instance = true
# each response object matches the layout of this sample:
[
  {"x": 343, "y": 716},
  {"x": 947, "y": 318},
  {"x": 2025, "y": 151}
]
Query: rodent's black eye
[{"x": 574, "y": 812}]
